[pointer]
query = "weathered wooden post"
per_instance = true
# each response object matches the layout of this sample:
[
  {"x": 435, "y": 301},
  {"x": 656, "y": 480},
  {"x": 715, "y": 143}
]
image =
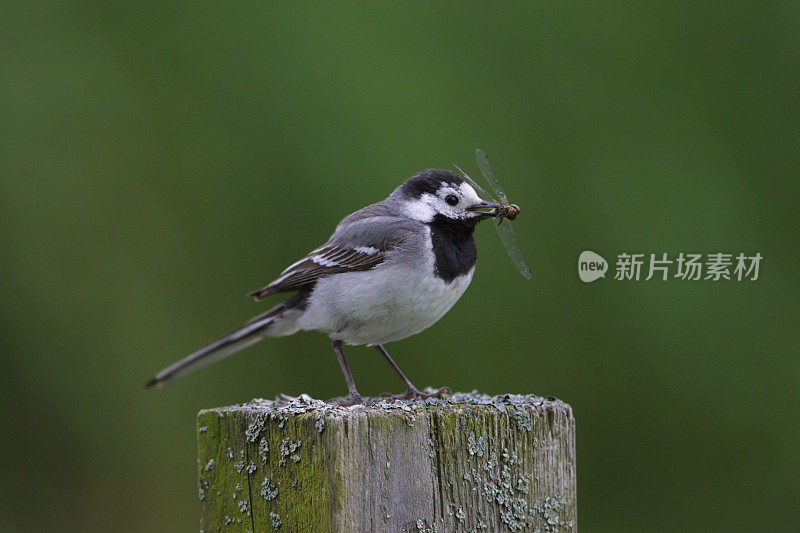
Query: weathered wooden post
[{"x": 468, "y": 462}]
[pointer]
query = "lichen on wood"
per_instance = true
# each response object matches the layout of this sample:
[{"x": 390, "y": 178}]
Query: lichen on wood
[{"x": 465, "y": 462}]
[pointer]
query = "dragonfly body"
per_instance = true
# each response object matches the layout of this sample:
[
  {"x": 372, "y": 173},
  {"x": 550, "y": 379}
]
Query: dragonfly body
[{"x": 510, "y": 211}]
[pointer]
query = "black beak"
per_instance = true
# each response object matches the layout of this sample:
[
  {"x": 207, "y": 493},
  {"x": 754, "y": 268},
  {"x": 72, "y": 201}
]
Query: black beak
[{"x": 479, "y": 208}]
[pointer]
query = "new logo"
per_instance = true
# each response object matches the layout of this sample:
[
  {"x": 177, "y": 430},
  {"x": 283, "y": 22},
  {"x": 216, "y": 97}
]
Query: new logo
[{"x": 591, "y": 266}]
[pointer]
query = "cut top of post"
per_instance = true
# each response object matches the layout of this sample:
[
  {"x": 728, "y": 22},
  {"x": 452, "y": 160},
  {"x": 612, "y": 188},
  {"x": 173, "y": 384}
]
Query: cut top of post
[{"x": 462, "y": 462}]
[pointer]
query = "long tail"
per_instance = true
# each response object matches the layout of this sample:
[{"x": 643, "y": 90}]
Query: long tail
[{"x": 252, "y": 332}]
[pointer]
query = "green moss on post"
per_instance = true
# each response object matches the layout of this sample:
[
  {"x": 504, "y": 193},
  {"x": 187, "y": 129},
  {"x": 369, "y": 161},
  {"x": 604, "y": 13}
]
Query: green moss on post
[{"x": 469, "y": 462}]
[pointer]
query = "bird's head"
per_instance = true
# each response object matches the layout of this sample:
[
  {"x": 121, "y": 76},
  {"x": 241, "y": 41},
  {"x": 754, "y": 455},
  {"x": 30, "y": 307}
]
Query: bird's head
[{"x": 441, "y": 192}]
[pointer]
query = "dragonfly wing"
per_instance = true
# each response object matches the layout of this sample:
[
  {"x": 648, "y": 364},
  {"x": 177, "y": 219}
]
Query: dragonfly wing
[
  {"x": 488, "y": 173},
  {"x": 475, "y": 184},
  {"x": 513, "y": 249}
]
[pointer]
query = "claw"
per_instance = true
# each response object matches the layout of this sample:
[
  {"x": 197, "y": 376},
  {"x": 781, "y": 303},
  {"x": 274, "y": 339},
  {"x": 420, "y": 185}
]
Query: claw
[
  {"x": 413, "y": 394},
  {"x": 305, "y": 398},
  {"x": 347, "y": 401}
]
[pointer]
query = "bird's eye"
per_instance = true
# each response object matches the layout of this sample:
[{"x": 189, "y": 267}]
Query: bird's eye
[{"x": 451, "y": 199}]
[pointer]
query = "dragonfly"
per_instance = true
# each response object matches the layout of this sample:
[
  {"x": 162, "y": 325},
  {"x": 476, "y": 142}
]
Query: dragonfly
[{"x": 505, "y": 211}]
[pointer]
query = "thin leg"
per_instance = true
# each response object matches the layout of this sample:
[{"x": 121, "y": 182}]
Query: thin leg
[
  {"x": 409, "y": 386},
  {"x": 411, "y": 391},
  {"x": 354, "y": 397}
]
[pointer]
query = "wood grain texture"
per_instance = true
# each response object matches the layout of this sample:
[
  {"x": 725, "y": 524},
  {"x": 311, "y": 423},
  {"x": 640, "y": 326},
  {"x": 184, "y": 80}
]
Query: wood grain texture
[{"x": 469, "y": 462}]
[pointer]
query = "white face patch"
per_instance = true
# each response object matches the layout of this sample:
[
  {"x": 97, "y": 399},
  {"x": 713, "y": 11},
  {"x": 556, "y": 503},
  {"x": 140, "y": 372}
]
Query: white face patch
[
  {"x": 429, "y": 205},
  {"x": 421, "y": 208},
  {"x": 469, "y": 194}
]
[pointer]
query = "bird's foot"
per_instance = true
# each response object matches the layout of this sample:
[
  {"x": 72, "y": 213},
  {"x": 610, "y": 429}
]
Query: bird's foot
[
  {"x": 304, "y": 398},
  {"x": 347, "y": 401},
  {"x": 413, "y": 394}
]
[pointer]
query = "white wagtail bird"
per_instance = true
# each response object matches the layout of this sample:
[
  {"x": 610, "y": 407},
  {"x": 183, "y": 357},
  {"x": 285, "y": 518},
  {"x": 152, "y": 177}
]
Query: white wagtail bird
[{"x": 389, "y": 271}]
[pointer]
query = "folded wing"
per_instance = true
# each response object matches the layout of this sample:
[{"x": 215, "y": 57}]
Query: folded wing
[{"x": 360, "y": 245}]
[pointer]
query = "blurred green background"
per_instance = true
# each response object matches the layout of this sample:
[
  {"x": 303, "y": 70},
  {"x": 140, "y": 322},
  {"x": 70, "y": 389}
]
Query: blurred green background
[{"x": 159, "y": 160}]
